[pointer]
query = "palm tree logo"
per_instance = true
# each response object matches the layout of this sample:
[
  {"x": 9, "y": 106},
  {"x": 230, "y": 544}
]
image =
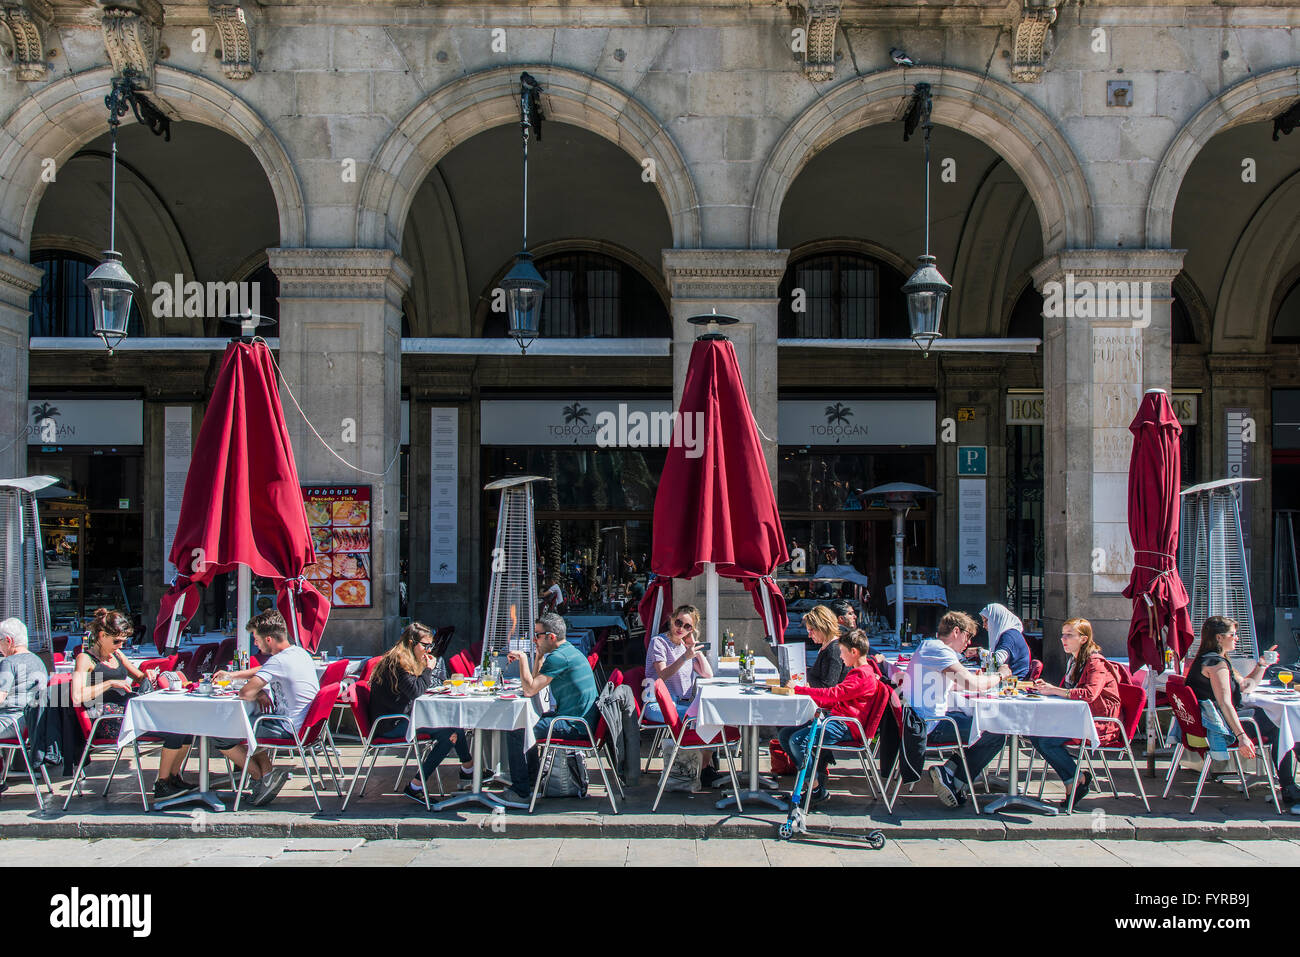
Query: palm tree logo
[
  {"x": 576, "y": 413},
  {"x": 839, "y": 412},
  {"x": 43, "y": 416}
]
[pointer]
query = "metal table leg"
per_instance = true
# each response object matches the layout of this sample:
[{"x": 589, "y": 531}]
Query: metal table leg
[
  {"x": 202, "y": 794},
  {"x": 476, "y": 795},
  {"x": 1014, "y": 797},
  {"x": 755, "y": 792}
]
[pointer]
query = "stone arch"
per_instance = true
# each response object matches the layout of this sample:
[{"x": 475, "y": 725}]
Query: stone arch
[
  {"x": 56, "y": 120},
  {"x": 1261, "y": 260},
  {"x": 1249, "y": 101},
  {"x": 465, "y": 107},
  {"x": 992, "y": 112}
]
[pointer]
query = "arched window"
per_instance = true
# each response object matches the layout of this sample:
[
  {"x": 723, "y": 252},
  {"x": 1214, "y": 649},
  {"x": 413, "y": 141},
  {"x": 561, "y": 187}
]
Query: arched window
[
  {"x": 592, "y": 295},
  {"x": 61, "y": 305},
  {"x": 842, "y": 296},
  {"x": 1286, "y": 325}
]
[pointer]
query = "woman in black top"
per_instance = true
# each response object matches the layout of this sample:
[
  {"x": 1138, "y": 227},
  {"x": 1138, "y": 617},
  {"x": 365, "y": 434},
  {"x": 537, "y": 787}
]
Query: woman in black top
[
  {"x": 408, "y": 670},
  {"x": 828, "y": 670},
  {"x": 1212, "y": 678},
  {"x": 103, "y": 681}
]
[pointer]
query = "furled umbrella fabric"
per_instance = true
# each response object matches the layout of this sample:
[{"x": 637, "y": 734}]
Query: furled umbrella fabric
[
  {"x": 1155, "y": 587},
  {"x": 242, "y": 503},
  {"x": 656, "y": 606},
  {"x": 715, "y": 501}
]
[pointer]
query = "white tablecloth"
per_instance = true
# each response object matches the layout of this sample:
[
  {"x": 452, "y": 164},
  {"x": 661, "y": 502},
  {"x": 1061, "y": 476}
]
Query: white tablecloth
[
  {"x": 1032, "y": 717},
  {"x": 1282, "y": 709},
  {"x": 224, "y": 717},
  {"x": 731, "y": 669},
  {"x": 475, "y": 713},
  {"x": 725, "y": 705}
]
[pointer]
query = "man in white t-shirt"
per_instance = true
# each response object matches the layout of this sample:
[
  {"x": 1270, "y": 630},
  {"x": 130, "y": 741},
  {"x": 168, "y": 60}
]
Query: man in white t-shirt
[
  {"x": 935, "y": 669},
  {"x": 285, "y": 684}
]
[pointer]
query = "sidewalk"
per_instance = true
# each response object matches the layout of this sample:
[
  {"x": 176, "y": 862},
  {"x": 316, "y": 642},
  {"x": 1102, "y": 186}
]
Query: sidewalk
[{"x": 382, "y": 815}]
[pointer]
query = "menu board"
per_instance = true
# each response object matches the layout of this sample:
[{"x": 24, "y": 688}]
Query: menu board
[{"x": 339, "y": 518}]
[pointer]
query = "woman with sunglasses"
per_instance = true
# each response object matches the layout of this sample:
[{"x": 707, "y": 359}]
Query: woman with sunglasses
[
  {"x": 1214, "y": 681},
  {"x": 676, "y": 658},
  {"x": 103, "y": 681},
  {"x": 408, "y": 670}
]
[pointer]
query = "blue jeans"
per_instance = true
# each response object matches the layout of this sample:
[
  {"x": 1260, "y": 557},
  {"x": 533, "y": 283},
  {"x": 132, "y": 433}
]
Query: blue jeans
[
  {"x": 652, "y": 713},
  {"x": 978, "y": 753},
  {"x": 1058, "y": 758},
  {"x": 798, "y": 742},
  {"x": 524, "y": 767}
]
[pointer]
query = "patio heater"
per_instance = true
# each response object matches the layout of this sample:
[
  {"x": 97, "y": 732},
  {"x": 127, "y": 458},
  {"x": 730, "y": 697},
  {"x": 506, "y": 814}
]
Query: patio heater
[
  {"x": 512, "y": 594},
  {"x": 898, "y": 497},
  {"x": 23, "y": 593},
  {"x": 1212, "y": 561}
]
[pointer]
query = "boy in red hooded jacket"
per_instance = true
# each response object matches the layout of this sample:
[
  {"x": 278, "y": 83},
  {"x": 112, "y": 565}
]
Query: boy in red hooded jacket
[{"x": 851, "y": 698}]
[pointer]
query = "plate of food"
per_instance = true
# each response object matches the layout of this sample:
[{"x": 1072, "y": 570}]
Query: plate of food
[
  {"x": 351, "y": 513},
  {"x": 352, "y": 593},
  {"x": 322, "y": 540},
  {"x": 348, "y": 539},
  {"x": 318, "y": 513},
  {"x": 350, "y": 566},
  {"x": 322, "y": 568}
]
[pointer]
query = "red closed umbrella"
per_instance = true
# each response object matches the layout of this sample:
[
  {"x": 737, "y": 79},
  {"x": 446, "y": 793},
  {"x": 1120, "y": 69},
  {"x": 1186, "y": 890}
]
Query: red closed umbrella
[
  {"x": 1160, "y": 617},
  {"x": 656, "y": 606},
  {"x": 714, "y": 510},
  {"x": 242, "y": 503},
  {"x": 1160, "y": 601}
]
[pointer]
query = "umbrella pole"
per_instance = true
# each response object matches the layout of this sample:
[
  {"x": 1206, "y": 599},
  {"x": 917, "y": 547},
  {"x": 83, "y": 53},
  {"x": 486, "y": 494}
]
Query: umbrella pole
[
  {"x": 243, "y": 607},
  {"x": 899, "y": 531},
  {"x": 711, "y": 603}
]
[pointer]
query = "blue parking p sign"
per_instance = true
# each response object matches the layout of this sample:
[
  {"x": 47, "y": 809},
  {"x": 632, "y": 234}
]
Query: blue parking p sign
[{"x": 972, "y": 459}]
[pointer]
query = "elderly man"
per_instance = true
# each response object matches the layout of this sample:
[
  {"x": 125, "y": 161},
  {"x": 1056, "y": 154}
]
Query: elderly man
[
  {"x": 285, "y": 685},
  {"x": 23, "y": 676},
  {"x": 562, "y": 668}
]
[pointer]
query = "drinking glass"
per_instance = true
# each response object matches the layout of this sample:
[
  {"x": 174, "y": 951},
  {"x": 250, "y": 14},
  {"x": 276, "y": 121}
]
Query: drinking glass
[{"x": 1285, "y": 677}]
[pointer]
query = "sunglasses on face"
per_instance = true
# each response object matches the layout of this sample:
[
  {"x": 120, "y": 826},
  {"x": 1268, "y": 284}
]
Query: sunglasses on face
[
  {"x": 426, "y": 644},
  {"x": 684, "y": 625}
]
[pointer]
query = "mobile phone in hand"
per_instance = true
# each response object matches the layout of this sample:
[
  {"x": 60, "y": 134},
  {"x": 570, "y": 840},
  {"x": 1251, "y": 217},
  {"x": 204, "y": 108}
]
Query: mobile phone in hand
[{"x": 705, "y": 646}]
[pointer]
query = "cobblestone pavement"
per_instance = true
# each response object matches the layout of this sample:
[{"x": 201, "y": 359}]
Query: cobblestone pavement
[{"x": 465, "y": 852}]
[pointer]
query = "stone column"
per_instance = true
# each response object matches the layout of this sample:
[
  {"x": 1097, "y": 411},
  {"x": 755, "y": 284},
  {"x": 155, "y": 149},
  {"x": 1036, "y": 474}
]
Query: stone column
[
  {"x": 972, "y": 382},
  {"x": 18, "y": 280},
  {"x": 741, "y": 283},
  {"x": 340, "y": 350},
  {"x": 1101, "y": 351}
]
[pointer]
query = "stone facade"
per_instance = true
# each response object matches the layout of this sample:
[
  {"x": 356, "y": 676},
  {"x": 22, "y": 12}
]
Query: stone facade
[{"x": 357, "y": 112}]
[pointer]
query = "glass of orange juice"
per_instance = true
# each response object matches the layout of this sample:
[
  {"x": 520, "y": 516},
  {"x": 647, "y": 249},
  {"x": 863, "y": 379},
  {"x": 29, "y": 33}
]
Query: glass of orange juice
[
  {"x": 457, "y": 681},
  {"x": 1285, "y": 677}
]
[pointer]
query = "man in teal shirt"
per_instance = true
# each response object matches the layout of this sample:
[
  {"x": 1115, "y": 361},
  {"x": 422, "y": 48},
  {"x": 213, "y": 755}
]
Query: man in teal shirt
[{"x": 565, "y": 671}]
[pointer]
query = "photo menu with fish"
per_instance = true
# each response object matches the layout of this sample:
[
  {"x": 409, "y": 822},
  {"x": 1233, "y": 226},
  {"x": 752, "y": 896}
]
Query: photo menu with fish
[{"x": 339, "y": 518}]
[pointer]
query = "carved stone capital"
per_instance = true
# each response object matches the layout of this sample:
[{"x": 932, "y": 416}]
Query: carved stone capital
[
  {"x": 821, "y": 19},
  {"x": 340, "y": 274},
  {"x": 1030, "y": 37},
  {"x": 235, "y": 27},
  {"x": 131, "y": 29},
  {"x": 28, "y": 21},
  {"x": 722, "y": 274}
]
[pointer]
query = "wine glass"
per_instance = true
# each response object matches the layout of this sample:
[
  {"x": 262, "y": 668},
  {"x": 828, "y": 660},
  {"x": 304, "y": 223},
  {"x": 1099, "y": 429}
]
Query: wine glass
[{"x": 1285, "y": 677}]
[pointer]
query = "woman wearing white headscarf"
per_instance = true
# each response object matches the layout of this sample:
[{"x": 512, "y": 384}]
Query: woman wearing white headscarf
[{"x": 1007, "y": 639}]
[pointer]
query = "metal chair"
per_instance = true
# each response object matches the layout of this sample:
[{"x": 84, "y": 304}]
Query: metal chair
[
  {"x": 685, "y": 739},
  {"x": 865, "y": 749}
]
